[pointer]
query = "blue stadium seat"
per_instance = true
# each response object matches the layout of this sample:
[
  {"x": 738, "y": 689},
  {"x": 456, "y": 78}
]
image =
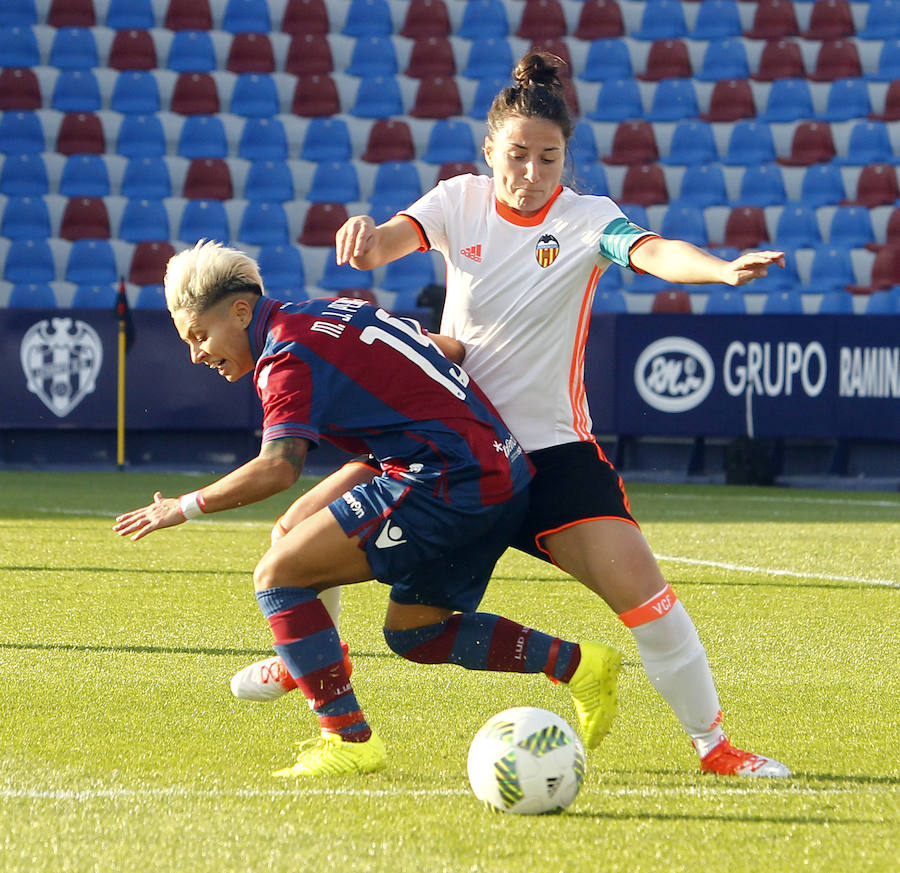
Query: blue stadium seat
[
  {"x": 888, "y": 62},
  {"x": 882, "y": 21},
  {"x": 411, "y": 273},
  {"x": 822, "y": 185},
  {"x": 883, "y": 303},
  {"x": 85, "y": 176},
  {"x": 487, "y": 89},
  {"x": 74, "y": 48},
  {"x": 831, "y": 268},
  {"x": 610, "y": 279},
  {"x": 582, "y": 143},
  {"x": 334, "y": 182},
  {"x": 717, "y": 19},
  {"x": 787, "y": 302},
  {"x": 144, "y": 219},
  {"x": 673, "y": 99},
  {"x": 263, "y": 139},
  {"x": 609, "y": 300},
  {"x": 762, "y": 185},
  {"x": 686, "y": 222},
  {"x": 606, "y": 59},
  {"x": 29, "y": 261},
  {"x": 25, "y": 218},
  {"x": 836, "y": 303},
  {"x": 247, "y": 16},
  {"x": 141, "y": 136},
  {"x": 270, "y": 181},
  {"x": 661, "y": 19},
  {"x": 130, "y": 15},
  {"x": 378, "y": 97},
  {"x": 20, "y": 133},
  {"x": 192, "y": 51},
  {"x": 489, "y": 58},
  {"x": 151, "y": 297},
  {"x": 450, "y": 139},
  {"x": 24, "y": 175},
  {"x": 750, "y": 142},
  {"x": 373, "y": 56},
  {"x": 869, "y": 143},
  {"x": 851, "y": 227},
  {"x": 327, "y": 139},
  {"x": 18, "y": 13},
  {"x": 204, "y": 219},
  {"x": 91, "y": 262},
  {"x": 797, "y": 227},
  {"x": 264, "y": 224},
  {"x": 847, "y": 98},
  {"x": 636, "y": 214},
  {"x": 693, "y": 142},
  {"x": 646, "y": 283},
  {"x": 368, "y": 18},
  {"x": 789, "y": 100},
  {"x": 281, "y": 267},
  {"x": 288, "y": 295},
  {"x": 341, "y": 277},
  {"x": 590, "y": 178},
  {"x": 32, "y": 296},
  {"x": 76, "y": 91},
  {"x": 723, "y": 300},
  {"x": 146, "y": 178},
  {"x": 483, "y": 19},
  {"x": 724, "y": 59},
  {"x": 18, "y": 47},
  {"x": 255, "y": 96},
  {"x": 94, "y": 297},
  {"x": 396, "y": 183},
  {"x": 203, "y": 136},
  {"x": 618, "y": 100},
  {"x": 703, "y": 185},
  {"x": 135, "y": 92}
]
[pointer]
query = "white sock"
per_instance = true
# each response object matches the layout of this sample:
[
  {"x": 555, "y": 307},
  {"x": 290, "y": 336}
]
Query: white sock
[
  {"x": 331, "y": 599},
  {"x": 676, "y": 664}
]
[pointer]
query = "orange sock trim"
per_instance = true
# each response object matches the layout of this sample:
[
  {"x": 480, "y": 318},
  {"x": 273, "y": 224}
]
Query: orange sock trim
[{"x": 652, "y": 609}]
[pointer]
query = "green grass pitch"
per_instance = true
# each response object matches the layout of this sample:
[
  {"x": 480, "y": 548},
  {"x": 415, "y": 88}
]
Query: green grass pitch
[{"x": 122, "y": 749}]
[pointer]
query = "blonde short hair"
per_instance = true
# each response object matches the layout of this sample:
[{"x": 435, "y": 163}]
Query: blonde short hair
[{"x": 199, "y": 278}]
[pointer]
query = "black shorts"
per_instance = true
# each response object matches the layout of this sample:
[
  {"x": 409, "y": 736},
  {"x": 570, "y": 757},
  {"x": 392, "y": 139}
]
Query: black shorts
[{"x": 574, "y": 482}]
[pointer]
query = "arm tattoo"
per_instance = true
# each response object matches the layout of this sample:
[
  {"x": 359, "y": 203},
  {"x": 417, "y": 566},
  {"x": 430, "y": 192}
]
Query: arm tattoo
[{"x": 291, "y": 449}]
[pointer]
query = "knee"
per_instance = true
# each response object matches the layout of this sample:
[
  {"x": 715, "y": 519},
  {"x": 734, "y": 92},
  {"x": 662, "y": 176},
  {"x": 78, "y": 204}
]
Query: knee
[{"x": 268, "y": 573}]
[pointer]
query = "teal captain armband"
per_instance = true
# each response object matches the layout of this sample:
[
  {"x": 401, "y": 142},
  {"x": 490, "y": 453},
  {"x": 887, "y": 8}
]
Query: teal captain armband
[{"x": 617, "y": 239}]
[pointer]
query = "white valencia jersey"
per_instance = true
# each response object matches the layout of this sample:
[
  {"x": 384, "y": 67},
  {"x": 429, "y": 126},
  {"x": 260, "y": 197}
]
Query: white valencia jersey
[{"x": 519, "y": 295}]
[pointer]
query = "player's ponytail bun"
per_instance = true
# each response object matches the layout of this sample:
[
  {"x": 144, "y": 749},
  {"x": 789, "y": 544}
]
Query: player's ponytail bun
[{"x": 537, "y": 92}]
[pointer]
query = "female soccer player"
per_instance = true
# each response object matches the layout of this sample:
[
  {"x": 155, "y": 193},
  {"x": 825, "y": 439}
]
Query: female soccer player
[
  {"x": 451, "y": 491},
  {"x": 523, "y": 256}
]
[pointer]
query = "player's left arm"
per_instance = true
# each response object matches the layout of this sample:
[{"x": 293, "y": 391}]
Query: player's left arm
[
  {"x": 275, "y": 469},
  {"x": 680, "y": 262}
]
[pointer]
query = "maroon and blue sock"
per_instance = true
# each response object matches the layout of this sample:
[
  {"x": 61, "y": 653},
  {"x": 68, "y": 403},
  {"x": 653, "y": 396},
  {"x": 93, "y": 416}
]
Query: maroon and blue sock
[
  {"x": 307, "y": 642},
  {"x": 481, "y": 641}
]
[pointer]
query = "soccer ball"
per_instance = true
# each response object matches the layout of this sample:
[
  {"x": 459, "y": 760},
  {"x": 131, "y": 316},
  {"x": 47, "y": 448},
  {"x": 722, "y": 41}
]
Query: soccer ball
[{"x": 527, "y": 761}]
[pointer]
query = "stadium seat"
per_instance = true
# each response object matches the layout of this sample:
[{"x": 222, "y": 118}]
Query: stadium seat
[
  {"x": 368, "y": 18},
  {"x": 308, "y": 55},
  {"x": 334, "y": 182},
  {"x": 789, "y": 100},
  {"x": 37, "y": 295},
  {"x": 431, "y": 56},
  {"x": 541, "y": 19},
  {"x": 85, "y": 218},
  {"x": 263, "y": 139},
  {"x": 599, "y": 20},
  {"x": 682, "y": 221},
  {"x": 306, "y": 16},
  {"x": 76, "y": 91},
  {"x": 590, "y": 178},
  {"x": 661, "y": 19},
  {"x": 135, "y": 91},
  {"x": 877, "y": 186},
  {"x": 605, "y": 59},
  {"x": 133, "y": 50},
  {"x": 745, "y": 228},
  {"x": 18, "y": 47},
  {"x": 141, "y": 136},
  {"x": 609, "y": 300},
  {"x": 373, "y": 56},
  {"x": 785, "y": 302},
  {"x": 343, "y": 277},
  {"x": 80, "y": 133},
  {"x": 634, "y": 142},
  {"x": 750, "y": 142},
  {"x": 485, "y": 92},
  {"x": 255, "y": 96},
  {"x": 717, "y": 19},
  {"x": 674, "y": 301},
  {"x": 195, "y": 94},
  {"x": 891, "y": 103},
  {"x": 822, "y": 185},
  {"x": 151, "y": 297},
  {"x": 692, "y": 142},
  {"x": 208, "y": 179},
  {"x": 71, "y": 13},
  {"x": 618, "y": 100},
  {"x": 389, "y": 139},
  {"x": 85, "y": 176},
  {"x": 724, "y": 59},
  {"x": 321, "y": 223},
  {"x": 426, "y": 18},
  {"x": 773, "y": 20},
  {"x": 21, "y": 133},
  {"x": 410, "y": 273},
  {"x": 146, "y": 178},
  {"x": 667, "y": 59},
  {"x": 281, "y": 267},
  {"x": 882, "y": 21},
  {"x": 202, "y": 136},
  {"x": 848, "y": 98},
  {"x": 270, "y": 181},
  {"x": 127, "y": 14},
  {"x": 703, "y": 185},
  {"x": 483, "y": 19},
  {"x": 869, "y": 143},
  {"x": 396, "y": 183},
  {"x": 892, "y": 229},
  {"x": 780, "y": 59},
  {"x": 731, "y": 100},
  {"x": 326, "y": 139},
  {"x": 19, "y": 91},
  {"x": 24, "y": 175},
  {"x": 831, "y": 268},
  {"x": 204, "y": 219},
  {"x": 191, "y": 51},
  {"x": 253, "y": 53},
  {"x": 489, "y": 57},
  {"x": 645, "y": 185},
  {"x": 888, "y": 62},
  {"x": 836, "y": 59},
  {"x": 263, "y": 223},
  {"x": 144, "y": 220},
  {"x": 18, "y": 13},
  {"x": 91, "y": 262},
  {"x": 851, "y": 227},
  {"x": 886, "y": 270},
  {"x": 246, "y": 16},
  {"x": 29, "y": 261},
  {"x": 74, "y": 48},
  {"x": 188, "y": 15},
  {"x": 450, "y": 140},
  {"x": 582, "y": 144},
  {"x": 882, "y": 303},
  {"x": 25, "y": 218},
  {"x": 148, "y": 262},
  {"x": 315, "y": 96},
  {"x": 830, "y": 19},
  {"x": 94, "y": 297},
  {"x": 762, "y": 185},
  {"x": 811, "y": 143},
  {"x": 673, "y": 100},
  {"x": 725, "y": 301},
  {"x": 836, "y": 303},
  {"x": 436, "y": 97},
  {"x": 797, "y": 227}
]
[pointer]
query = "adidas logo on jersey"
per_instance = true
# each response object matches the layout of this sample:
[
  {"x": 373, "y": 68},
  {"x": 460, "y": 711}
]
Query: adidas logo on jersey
[{"x": 473, "y": 253}]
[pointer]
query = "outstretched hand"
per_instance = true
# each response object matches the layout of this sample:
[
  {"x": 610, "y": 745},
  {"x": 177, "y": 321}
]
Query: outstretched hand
[
  {"x": 354, "y": 238},
  {"x": 163, "y": 512},
  {"x": 750, "y": 266}
]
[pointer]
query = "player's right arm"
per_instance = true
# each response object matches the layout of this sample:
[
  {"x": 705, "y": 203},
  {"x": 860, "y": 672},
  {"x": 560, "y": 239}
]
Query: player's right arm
[{"x": 365, "y": 245}]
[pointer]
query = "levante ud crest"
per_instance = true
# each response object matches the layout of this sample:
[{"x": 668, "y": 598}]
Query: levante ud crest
[
  {"x": 61, "y": 358},
  {"x": 546, "y": 250}
]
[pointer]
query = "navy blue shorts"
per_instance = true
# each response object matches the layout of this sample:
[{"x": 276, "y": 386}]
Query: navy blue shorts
[{"x": 427, "y": 551}]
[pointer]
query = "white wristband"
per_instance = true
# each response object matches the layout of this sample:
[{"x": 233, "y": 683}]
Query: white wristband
[{"x": 191, "y": 505}]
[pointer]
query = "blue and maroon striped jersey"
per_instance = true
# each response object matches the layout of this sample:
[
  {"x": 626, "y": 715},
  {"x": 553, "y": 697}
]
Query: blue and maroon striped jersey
[{"x": 349, "y": 372}]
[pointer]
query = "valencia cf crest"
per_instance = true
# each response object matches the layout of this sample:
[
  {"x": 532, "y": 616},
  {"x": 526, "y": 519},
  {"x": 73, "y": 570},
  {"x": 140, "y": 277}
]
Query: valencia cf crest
[{"x": 546, "y": 250}]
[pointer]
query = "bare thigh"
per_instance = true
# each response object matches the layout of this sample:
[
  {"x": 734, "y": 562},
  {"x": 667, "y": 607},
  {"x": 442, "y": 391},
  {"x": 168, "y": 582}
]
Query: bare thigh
[{"x": 611, "y": 557}]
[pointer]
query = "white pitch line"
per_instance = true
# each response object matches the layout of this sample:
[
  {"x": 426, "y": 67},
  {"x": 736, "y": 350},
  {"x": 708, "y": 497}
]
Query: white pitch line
[
  {"x": 783, "y": 498},
  {"x": 743, "y": 568}
]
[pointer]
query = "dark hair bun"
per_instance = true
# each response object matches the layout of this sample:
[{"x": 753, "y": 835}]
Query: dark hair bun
[{"x": 539, "y": 68}]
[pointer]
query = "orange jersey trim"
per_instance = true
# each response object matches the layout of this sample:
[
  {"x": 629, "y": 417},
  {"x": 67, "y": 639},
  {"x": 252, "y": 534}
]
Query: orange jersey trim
[
  {"x": 423, "y": 242},
  {"x": 577, "y": 391},
  {"x": 514, "y": 218},
  {"x": 656, "y": 607},
  {"x": 545, "y": 533},
  {"x": 635, "y": 247}
]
